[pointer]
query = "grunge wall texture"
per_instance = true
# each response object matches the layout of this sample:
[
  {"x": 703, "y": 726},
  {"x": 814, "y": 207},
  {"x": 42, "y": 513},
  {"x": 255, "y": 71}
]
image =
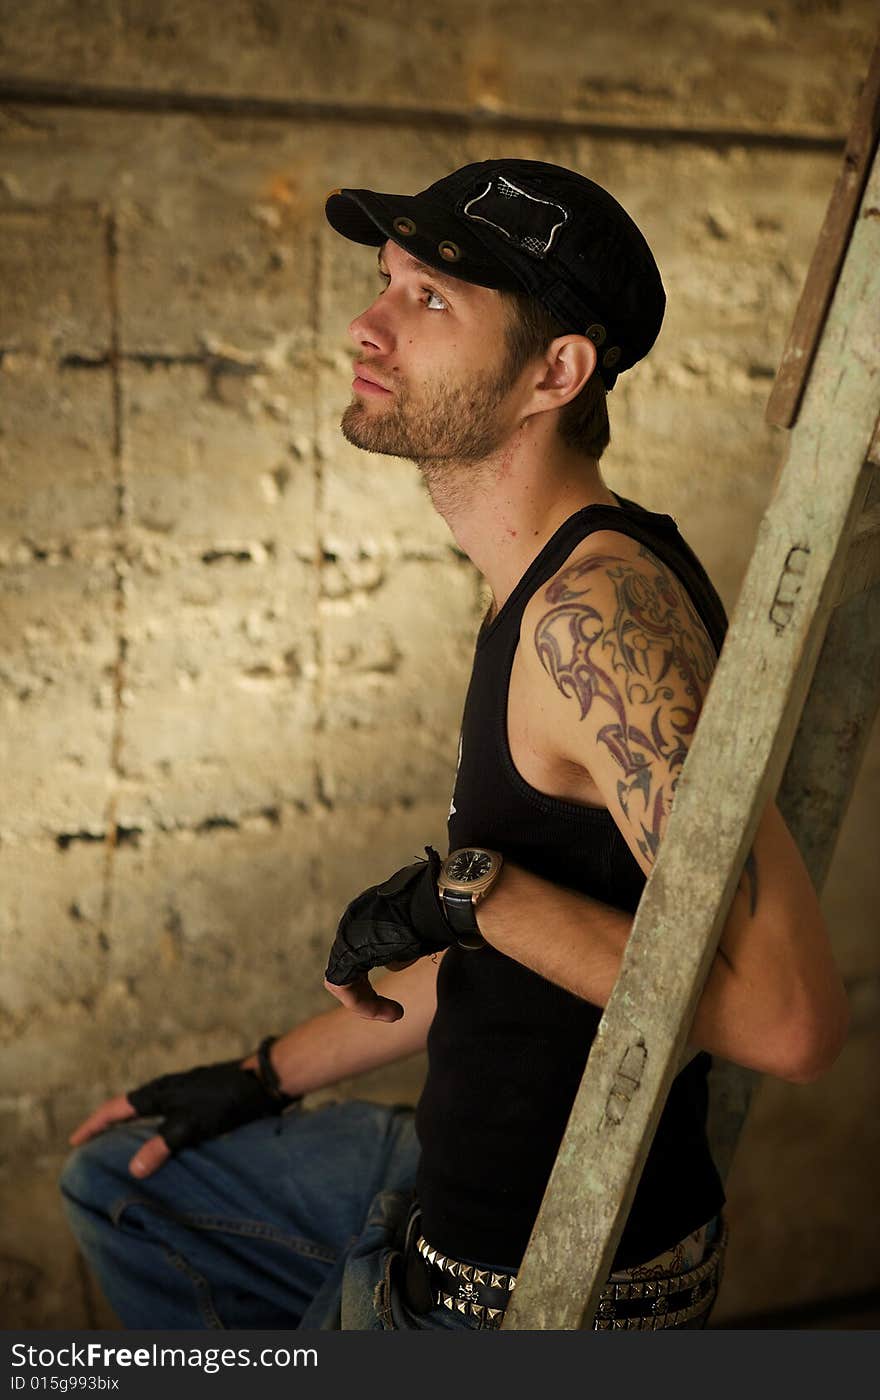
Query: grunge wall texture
[{"x": 234, "y": 649}]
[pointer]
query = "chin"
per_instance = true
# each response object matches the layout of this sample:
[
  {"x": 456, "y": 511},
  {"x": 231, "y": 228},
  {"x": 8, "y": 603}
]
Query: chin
[
  {"x": 358, "y": 433},
  {"x": 352, "y": 422}
]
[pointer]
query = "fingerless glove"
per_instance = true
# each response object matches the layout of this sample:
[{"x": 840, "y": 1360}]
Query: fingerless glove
[
  {"x": 204, "y": 1102},
  {"x": 397, "y": 921}
]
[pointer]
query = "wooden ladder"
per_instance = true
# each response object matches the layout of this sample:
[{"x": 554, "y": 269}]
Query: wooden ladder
[{"x": 808, "y": 613}]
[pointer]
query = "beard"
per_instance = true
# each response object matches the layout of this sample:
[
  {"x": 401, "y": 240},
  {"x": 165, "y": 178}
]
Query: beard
[{"x": 450, "y": 422}]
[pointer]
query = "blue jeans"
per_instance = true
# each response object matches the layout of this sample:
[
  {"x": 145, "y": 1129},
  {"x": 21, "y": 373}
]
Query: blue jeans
[{"x": 286, "y": 1222}]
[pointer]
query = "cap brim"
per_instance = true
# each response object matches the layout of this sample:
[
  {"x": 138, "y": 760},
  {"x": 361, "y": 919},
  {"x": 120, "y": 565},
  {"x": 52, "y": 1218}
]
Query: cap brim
[{"x": 364, "y": 216}]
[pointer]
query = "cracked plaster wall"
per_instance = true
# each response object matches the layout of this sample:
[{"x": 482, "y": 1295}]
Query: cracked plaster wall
[{"x": 234, "y": 648}]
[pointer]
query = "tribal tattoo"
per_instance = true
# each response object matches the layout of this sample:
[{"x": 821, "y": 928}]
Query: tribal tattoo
[
  {"x": 654, "y": 652},
  {"x": 750, "y": 877}
]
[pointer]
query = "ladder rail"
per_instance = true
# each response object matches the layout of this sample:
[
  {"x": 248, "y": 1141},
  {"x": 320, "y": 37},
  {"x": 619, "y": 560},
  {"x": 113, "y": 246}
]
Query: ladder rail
[
  {"x": 809, "y": 317},
  {"x": 813, "y": 797},
  {"x": 822, "y": 767},
  {"x": 828, "y": 750}
]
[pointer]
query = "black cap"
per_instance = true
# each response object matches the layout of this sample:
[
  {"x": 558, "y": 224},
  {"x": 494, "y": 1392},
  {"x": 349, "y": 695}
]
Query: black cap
[{"x": 529, "y": 226}]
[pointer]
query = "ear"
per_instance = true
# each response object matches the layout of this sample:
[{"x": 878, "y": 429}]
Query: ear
[{"x": 569, "y": 361}]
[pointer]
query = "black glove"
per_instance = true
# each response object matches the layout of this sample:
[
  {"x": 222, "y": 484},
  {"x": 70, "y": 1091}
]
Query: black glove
[
  {"x": 203, "y": 1102},
  {"x": 397, "y": 921}
]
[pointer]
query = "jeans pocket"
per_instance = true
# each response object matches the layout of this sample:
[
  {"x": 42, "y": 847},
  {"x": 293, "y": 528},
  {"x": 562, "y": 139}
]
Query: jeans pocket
[{"x": 367, "y": 1282}]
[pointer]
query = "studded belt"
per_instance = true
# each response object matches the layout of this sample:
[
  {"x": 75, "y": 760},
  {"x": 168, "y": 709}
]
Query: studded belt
[{"x": 648, "y": 1304}]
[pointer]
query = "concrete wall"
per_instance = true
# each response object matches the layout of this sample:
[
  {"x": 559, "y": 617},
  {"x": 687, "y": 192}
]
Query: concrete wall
[{"x": 234, "y": 649}]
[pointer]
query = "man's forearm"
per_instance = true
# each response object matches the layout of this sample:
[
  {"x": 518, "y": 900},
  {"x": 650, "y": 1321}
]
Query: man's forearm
[
  {"x": 565, "y": 936},
  {"x": 578, "y": 943},
  {"x": 773, "y": 1001},
  {"x": 335, "y": 1045}
]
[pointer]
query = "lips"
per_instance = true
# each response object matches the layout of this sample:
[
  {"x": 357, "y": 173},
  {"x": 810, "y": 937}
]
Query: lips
[{"x": 362, "y": 373}]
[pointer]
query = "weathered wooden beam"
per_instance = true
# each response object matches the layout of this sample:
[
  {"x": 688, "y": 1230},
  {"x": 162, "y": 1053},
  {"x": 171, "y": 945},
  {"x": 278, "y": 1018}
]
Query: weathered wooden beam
[
  {"x": 813, "y": 797},
  {"x": 730, "y": 1092},
  {"x": 863, "y": 560},
  {"x": 738, "y": 755},
  {"x": 797, "y": 357},
  {"x": 835, "y": 728}
]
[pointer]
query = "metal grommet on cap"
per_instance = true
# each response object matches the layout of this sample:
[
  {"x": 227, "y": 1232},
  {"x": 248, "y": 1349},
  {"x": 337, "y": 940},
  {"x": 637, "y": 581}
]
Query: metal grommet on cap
[
  {"x": 405, "y": 226},
  {"x": 596, "y": 333},
  {"x": 610, "y": 358},
  {"x": 450, "y": 251}
]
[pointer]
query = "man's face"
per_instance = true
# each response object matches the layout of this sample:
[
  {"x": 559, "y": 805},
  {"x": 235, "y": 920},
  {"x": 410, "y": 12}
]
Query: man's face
[{"x": 436, "y": 347}]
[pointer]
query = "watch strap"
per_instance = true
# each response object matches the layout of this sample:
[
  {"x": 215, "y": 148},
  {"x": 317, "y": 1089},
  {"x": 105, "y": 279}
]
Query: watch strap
[{"x": 459, "y": 911}]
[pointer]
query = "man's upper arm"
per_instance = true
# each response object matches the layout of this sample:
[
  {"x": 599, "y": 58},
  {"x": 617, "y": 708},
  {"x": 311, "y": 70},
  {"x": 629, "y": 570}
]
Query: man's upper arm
[
  {"x": 620, "y": 667},
  {"x": 628, "y": 661}
]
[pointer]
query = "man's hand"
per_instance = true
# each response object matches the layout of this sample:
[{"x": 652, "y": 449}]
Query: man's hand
[
  {"x": 197, "y": 1104},
  {"x": 389, "y": 925},
  {"x": 147, "y": 1159}
]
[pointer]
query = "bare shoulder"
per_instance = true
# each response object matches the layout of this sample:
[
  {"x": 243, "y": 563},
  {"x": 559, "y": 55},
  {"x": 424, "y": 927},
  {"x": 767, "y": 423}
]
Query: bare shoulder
[
  {"x": 619, "y": 663},
  {"x": 615, "y": 582}
]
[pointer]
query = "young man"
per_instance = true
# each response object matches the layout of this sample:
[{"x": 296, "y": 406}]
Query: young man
[{"x": 512, "y": 295}]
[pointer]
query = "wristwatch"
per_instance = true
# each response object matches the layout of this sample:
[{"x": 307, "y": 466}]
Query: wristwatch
[{"x": 466, "y": 876}]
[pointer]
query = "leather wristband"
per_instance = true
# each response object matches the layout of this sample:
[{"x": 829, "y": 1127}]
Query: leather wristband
[{"x": 268, "y": 1074}]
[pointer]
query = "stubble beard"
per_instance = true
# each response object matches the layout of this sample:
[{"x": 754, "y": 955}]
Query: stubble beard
[{"x": 457, "y": 430}]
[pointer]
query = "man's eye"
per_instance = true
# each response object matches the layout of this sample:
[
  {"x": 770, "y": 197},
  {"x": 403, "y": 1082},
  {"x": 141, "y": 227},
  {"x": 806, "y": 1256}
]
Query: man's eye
[{"x": 385, "y": 279}]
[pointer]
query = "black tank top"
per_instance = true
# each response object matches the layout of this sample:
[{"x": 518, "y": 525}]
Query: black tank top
[{"x": 507, "y": 1048}]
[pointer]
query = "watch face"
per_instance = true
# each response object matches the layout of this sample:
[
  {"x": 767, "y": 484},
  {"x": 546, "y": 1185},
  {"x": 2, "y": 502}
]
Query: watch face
[{"x": 469, "y": 866}]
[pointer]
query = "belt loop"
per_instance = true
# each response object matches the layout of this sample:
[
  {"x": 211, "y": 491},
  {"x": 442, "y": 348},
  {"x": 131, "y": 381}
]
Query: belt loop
[{"x": 412, "y": 1222}]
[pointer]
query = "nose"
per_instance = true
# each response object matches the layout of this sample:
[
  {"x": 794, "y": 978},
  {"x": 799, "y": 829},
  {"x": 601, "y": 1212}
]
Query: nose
[{"x": 372, "y": 329}]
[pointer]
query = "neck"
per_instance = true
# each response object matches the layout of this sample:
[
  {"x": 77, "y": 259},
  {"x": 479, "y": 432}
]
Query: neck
[{"x": 504, "y": 509}]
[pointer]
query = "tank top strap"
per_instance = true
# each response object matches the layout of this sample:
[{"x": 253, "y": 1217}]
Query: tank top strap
[{"x": 628, "y": 519}]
